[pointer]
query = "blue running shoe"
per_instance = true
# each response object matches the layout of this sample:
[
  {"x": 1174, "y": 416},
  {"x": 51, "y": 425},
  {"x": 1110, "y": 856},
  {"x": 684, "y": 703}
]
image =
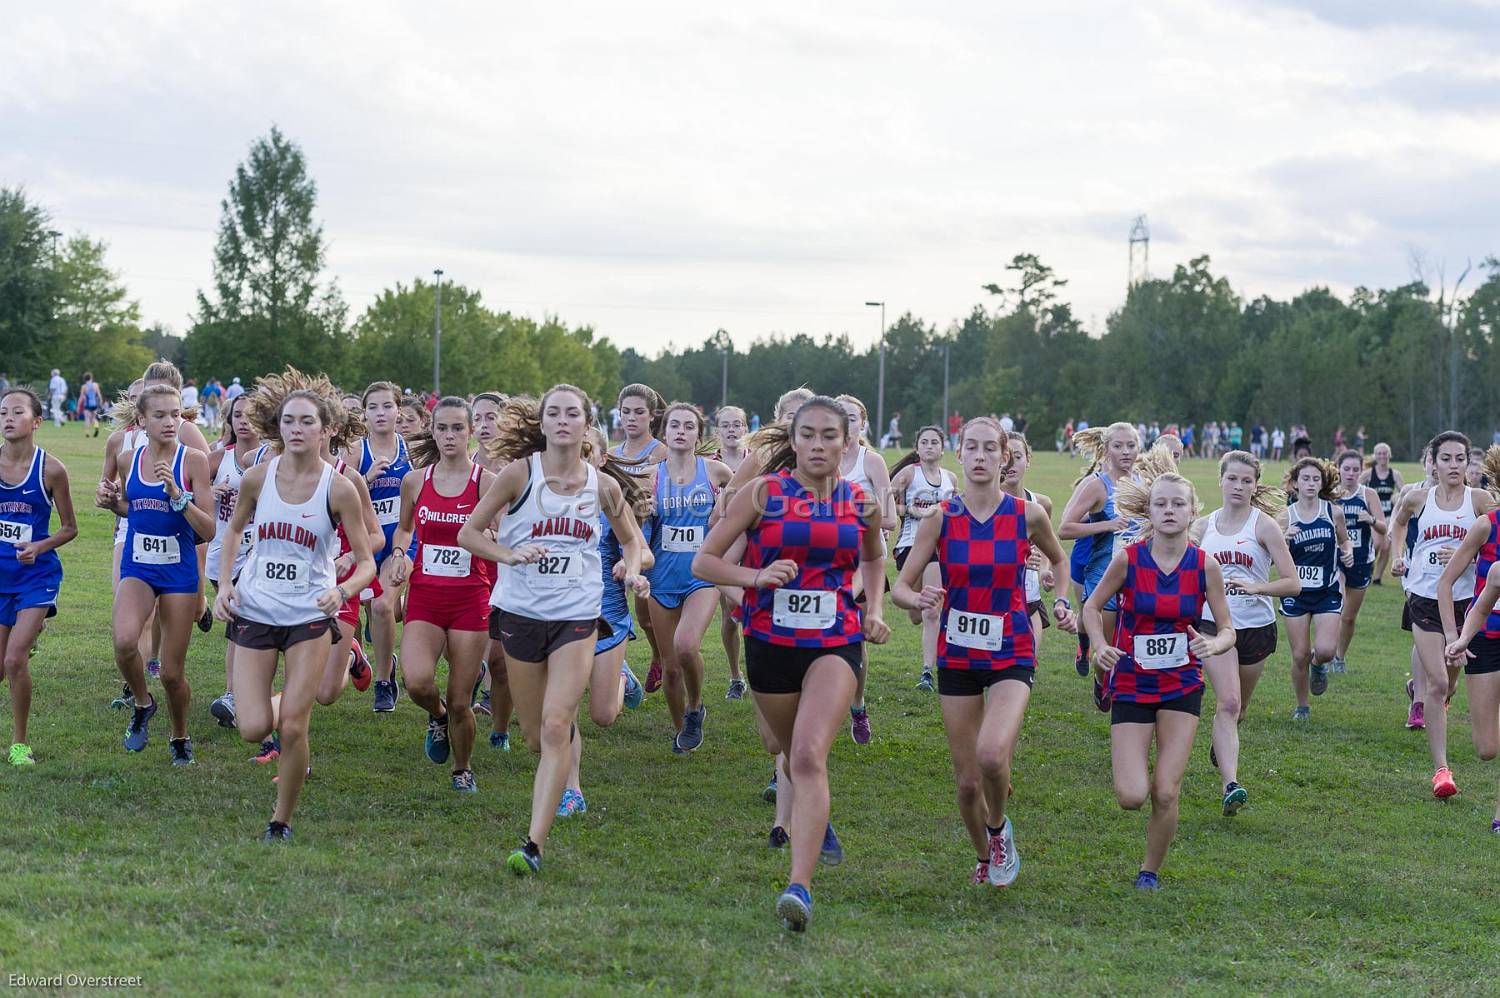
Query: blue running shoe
[
  {"x": 138, "y": 733},
  {"x": 1301, "y": 715},
  {"x": 463, "y": 782},
  {"x": 769, "y": 794},
  {"x": 691, "y": 735},
  {"x": 524, "y": 861},
  {"x": 1317, "y": 680},
  {"x": 794, "y": 907},
  {"x": 436, "y": 742},
  {"x": 833, "y": 849},
  {"x": 1146, "y": 881},
  {"x": 222, "y": 710},
  {"x": 736, "y": 690},
  {"x": 569, "y": 805},
  {"x": 385, "y": 696},
  {"x": 153, "y": 668},
  {"x": 634, "y": 692},
  {"x": 182, "y": 751},
  {"x": 500, "y": 740},
  {"x": 277, "y": 832}
]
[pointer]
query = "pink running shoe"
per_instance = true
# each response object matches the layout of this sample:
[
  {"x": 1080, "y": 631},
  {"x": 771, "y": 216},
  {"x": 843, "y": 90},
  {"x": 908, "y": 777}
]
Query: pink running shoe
[{"x": 1415, "y": 721}]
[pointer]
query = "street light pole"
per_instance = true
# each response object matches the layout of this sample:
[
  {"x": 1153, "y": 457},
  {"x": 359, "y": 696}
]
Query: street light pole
[
  {"x": 943, "y": 416},
  {"x": 437, "y": 336},
  {"x": 724, "y": 389},
  {"x": 880, "y": 384}
]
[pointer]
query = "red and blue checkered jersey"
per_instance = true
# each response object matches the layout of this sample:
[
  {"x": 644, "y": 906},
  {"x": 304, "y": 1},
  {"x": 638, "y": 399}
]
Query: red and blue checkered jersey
[
  {"x": 816, "y": 609},
  {"x": 1156, "y": 609},
  {"x": 1489, "y": 553},
  {"x": 984, "y": 625}
]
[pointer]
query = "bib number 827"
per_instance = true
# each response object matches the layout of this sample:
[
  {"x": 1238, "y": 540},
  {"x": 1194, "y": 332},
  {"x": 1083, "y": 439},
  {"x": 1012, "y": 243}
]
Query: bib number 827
[{"x": 553, "y": 564}]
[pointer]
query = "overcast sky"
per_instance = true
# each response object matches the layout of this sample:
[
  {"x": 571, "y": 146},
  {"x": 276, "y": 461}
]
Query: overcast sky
[{"x": 663, "y": 170}]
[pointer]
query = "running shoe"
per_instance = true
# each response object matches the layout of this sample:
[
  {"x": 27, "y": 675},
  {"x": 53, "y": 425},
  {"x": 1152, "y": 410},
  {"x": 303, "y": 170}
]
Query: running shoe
[
  {"x": 859, "y": 725},
  {"x": 981, "y": 873},
  {"x": 677, "y": 749},
  {"x": 359, "y": 667},
  {"x": 1336, "y": 665},
  {"x": 483, "y": 706},
  {"x": 924, "y": 685},
  {"x": 1081, "y": 663},
  {"x": 1495, "y": 826},
  {"x": 691, "y": 735},
  {"x": 832, "y": 852},
  {"x": 138, "y": 733},
  {"x": 525, "y": 860},
  {"x": 795, "y": 907},
  {"x": 1416, "y": 719},
  {"x": 1442, "y": 783},
  {"x": 153, "y": 668},
  {"x": 653, "y": 677},
  {"x": 1147, "y": 881},
  {"x": 436, "y": 742},
  {"x": 1213, "y": 756},
  {"x": 634, "y": 694},
  {"x": 478, "y": 685},
  {"x": 736, "y": 690},
  {"x": 1103, "y": 698},
  {"x": 385, "y": 696},
  {"x": 1318, "y": 679},
  {"x": 1235, "y": 797},
  {"x": 20, "y": 755},
  {"x": 206, "y": 622},
  {"x": 1411, "y": 690},
  {"x": 500, "y": 740},
  {"x": 125, "y": 699},
  {"x": 270, "y": 750},
  {"x": 769, "y": 794},
  {"x": 223, "y": 710},
  {"x": 1301, "y": 715},
  {"x": 182, "y": 751},
  {"x": 779, "y": 837},
  {"x": 463, "y": 782},
  {"x": 571, "y": 803},
  {"x": 1005, "y": 862},
  {"x": 277, "y": 832}
]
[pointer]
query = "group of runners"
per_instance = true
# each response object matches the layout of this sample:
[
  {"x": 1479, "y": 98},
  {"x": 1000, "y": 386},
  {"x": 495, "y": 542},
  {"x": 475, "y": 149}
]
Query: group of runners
[{"x": 504, "y": 536}]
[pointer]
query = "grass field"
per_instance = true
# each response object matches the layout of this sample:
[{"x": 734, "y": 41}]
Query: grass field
[{"x": 1342, "y": 875}]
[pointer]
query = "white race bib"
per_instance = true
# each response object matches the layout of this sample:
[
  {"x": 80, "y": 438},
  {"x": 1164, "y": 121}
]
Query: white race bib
[
  {"x": 15, "y": 533},
  {"x": 557, "y": 570},
  {"x": 1161, "y": 651},
  {"x": 683, "y": 540},
  {"x": 1356, "y": 536},
  {"x": 805, "y": 609},
  {"x": 1311, "y": 576},
  {"x": 151, "y": 549},
  {"x": 976, "y": 630},
  {"x": 1236, "y": 596},
  {"x": 388, "y": 510},
  {"x": 1033, "y": 586},
  {"x": 450, "y": 562},
  {"x": 248, "y": 538},
  {"x": 284, "y": 575}
]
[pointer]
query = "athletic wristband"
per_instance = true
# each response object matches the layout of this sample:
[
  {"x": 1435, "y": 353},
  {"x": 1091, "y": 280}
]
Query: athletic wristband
[
  {"x": 180, "y": 503},
  {"x": 1064, "y": 601},
  {"x": 343, "y": 593}
]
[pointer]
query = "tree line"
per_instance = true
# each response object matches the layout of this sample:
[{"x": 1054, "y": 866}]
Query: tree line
[{"x": 1403, "y": 362}]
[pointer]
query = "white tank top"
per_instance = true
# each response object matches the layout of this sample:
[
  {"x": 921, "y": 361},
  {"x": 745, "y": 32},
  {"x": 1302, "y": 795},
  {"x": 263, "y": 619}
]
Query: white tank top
[
  {"x": 567, "y": 583},
  {"x": 1440, "y": 528},
  {"x": 231, "y": 474},
  {"x": 291, "y": 562},
  {"x": 921, "y": 494},
  {"x": 857, "y": 476},
  {"x": 1033, "y": 577},
  {"x": 1241, "y": 556}
]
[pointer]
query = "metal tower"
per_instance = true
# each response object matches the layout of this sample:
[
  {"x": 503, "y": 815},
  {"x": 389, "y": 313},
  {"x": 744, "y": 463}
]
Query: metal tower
[{"x": 1140, "y": 260}]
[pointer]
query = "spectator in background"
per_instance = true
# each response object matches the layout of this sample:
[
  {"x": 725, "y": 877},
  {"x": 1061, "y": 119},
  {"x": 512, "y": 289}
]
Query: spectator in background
[
  {"x": 90, "y": 400},
  {"x": 1006, "y": 423},
  {"x": 1068, "y": 431},
  {"x": 5, "y": 387},
  {"x": 1189, "y": 434},
  {"x": 57, "y": 389},
  {"x": 189, "y": 393},
  {"x": 1236, "y": 436},
  {"x": 1082, "y": 424},
  {"x": 1360, "y": 439},
  {"x": 754, "y": 421},
  {"x": 1338, "y": 440},
  {"x": 614, "y": 423},
  {"x": 234, "y": 391},
  {"x": 956, "y": 423},
  {"x": 211, "y": 396},
  {"x": 1021, "y": 423},
  {"x": 1257, "y": 440},
  {"x": 1278, "y": 443}
]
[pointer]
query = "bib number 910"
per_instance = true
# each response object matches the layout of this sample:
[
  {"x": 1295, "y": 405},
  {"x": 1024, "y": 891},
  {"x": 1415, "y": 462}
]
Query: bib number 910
[
  {"x": 982, "y": 631},
  {"x": 1161, "y": 651}
]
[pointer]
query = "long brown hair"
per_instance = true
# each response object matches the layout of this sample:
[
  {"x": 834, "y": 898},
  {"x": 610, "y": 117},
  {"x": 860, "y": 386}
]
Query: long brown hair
[
  {"x": 518, "y": 435},
  {"x": 1328, "y": 492},
  {"x": 910, "y": 457},
  {"x": 780, "y": 455},
  {"x": 1266, "y": 498},
  {"x": 421, "y": 448}
]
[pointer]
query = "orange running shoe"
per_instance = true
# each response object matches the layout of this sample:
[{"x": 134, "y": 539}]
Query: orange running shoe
[{"x": 1442, "y": 783}]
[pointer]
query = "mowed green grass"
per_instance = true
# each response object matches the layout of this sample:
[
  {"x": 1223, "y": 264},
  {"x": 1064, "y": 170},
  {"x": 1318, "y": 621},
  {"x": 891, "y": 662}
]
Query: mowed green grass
[{"x": 1342, "y": 875}]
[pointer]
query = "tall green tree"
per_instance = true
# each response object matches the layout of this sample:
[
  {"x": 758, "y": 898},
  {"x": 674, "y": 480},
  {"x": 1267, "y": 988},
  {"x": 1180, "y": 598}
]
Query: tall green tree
[
  {"x": 267, "y": 307},
  {"x": 29, "y": 286},
  {"x": 96, "y": 327}
]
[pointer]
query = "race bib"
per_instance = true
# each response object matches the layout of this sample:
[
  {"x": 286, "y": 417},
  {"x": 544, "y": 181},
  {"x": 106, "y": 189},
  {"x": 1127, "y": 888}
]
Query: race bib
[
  {"x": 1356, "y": 536},
  {"x": 805, "y": 609},
  {"x": 151, "y": 549},
  {"x": 450, "y": 562},
  {"x": 284, "y": 575},
  {"x": 683, "y": 540},
  {"x": 248, "y": 538},
  {"x": 556, "y": 571},
  {"x": 15, "y": 533},
  {"x": 1161, "y": 651},
  {"x": 1311, "y": 576},
  {"x": 388, "y": 510},
  {"x": 976, "y": 630},
  {"x": 1033, "y": 586},
  {"x": 1236, "y": 596}
]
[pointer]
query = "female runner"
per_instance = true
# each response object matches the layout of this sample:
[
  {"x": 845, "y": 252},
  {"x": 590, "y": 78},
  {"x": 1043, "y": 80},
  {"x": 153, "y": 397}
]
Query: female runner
[
  {"x": 681, "y": 604},
  {"x": 495, "y": 702},
  {"x": 1243, "y": 539},
  {"x": 1387, "y": 483},
  {"x": 863, "y": 467},
  {"x": 447, "y": 605},
  {"x": 1040, "y": 574},
  {"x": 285, "y": 600},
  {"x": 159, "y": 567},
  {"x": 412, "y": 417},
  {"x": 920, "y": 485},
  {"x": 731, "y": 425},
  {"x": 807, "y": 530},
  {"x": 30, "y": 571},
  {"x": 1319, "y": 542},
  {"x": 1153, "y": 663},
  {"x": 383, "y": 462},
  {"x": 1448, "y": 511},
  {"x": 641, "y": 411},
  {"x": 549, "y": 600},
  {"x": 981, "y": 542},
  {"x": 1365, "y": 521}
]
